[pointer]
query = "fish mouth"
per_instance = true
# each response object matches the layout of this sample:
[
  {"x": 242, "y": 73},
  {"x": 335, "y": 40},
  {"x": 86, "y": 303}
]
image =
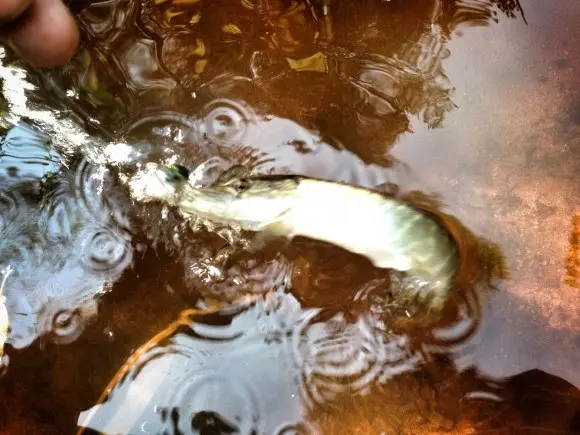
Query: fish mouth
[
  {"x": 175, "y": 173},
  {"x": 152, "y": 183},
  {"x": 164, "y": 169}
]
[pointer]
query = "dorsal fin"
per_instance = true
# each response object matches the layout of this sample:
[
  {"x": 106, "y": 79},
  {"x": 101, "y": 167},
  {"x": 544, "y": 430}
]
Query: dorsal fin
[{"x": 236, "y": 171}]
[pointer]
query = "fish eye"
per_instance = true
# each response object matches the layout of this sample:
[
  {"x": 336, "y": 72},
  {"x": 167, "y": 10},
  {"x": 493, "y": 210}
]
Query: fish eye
[
  {"x": 182, "y": 171},
  {"x": 242, "y": 185}
]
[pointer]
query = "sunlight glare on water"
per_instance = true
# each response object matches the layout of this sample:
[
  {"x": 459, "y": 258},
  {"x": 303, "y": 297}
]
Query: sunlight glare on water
[{"x": 60, "y": 237}]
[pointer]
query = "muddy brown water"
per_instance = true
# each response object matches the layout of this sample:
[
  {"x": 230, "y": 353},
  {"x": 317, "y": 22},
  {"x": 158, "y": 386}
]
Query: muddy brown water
[{"x": 125, "y": 320}]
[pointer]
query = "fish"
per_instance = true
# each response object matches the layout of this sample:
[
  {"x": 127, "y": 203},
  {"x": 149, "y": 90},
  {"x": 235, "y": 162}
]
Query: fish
[{"x": 389, "y": 232}]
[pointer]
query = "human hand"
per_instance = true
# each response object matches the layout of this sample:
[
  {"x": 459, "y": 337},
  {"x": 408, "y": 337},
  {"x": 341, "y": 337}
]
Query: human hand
[{"x": 43, "y": 32}]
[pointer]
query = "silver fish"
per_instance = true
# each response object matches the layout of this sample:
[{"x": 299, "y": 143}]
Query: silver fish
[{"x": 387, "y": 231}]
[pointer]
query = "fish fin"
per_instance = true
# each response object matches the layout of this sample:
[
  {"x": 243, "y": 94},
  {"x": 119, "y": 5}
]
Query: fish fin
[{"x": 236, "y": 171}]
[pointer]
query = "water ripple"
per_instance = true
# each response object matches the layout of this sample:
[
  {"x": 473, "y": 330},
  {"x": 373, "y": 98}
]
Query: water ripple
[
  {"x": 337, "y": 357},
  {"x": 89, "y": 184},
  {"x": 268, "y": 365},
  {"x": 233, "y": 277},
  {"x": 50, "y": 300},
  {"x": 213, "y": 389},
  {"x": 12, "y": 204},
  {"x": 161, "y": 136},
  {"x": 197, "y": 374},
  {"x": 64, "y": 320},
  {"x": 226, "y": 122},
  {"x": 17, "y": 232},
  {"x": 66, "y": 236},
  {"x": 104, "y": 250}
]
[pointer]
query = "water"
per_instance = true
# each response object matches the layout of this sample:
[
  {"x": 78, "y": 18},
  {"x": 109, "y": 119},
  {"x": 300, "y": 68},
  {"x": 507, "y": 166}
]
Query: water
[{"x": 126, "y": 319}]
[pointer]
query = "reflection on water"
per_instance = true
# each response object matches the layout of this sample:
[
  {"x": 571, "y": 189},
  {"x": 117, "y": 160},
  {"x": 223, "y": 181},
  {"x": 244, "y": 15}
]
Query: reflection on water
[
  {"x": 230, "y": 368},
  {"x": 294, "y": 338},
  {"x": 164, "y": 51},
  {"x": 221, "y": 374},
  {"x": 64, "y": 240}
]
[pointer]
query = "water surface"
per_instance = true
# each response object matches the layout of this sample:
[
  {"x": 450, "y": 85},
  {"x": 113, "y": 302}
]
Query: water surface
[{"x": 125, "y": 319}]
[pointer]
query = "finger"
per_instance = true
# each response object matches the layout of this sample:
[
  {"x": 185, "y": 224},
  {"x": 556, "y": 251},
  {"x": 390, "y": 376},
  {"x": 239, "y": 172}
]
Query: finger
[
  {"x": 10, "y": 9},
  {"x": 47, "y": 35}
]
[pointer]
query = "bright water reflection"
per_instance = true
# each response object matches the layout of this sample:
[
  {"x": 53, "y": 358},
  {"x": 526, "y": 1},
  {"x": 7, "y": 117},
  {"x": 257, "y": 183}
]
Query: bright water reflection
[
  {"x": 227, "y": 371},
  {"x": 64, "y": 240}
]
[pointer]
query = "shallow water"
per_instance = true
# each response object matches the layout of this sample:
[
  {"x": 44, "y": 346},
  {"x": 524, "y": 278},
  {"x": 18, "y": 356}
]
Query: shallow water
[{"x": 112, "y": 302}]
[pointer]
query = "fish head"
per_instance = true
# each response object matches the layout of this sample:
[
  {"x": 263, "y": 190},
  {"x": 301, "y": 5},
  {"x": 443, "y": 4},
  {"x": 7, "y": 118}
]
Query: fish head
[
  {"x": 158, "y": 183},
  {"x": 169, "y": 181},
  {"x": 253, "y": 203},
  {"x": 175, "y": 174}
]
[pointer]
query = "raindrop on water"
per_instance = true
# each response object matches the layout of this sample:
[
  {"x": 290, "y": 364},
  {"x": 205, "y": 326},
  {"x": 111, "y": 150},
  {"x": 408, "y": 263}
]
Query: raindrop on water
[
  {"x": 68, "y": 323},
  {"x": 226, "y": 122},
  {"x": 104, "y": 250},
  {"x": 338, "y": 357}
]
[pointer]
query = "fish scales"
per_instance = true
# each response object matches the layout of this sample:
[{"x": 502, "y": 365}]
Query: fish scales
[{"x": 389, "y": 232}]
